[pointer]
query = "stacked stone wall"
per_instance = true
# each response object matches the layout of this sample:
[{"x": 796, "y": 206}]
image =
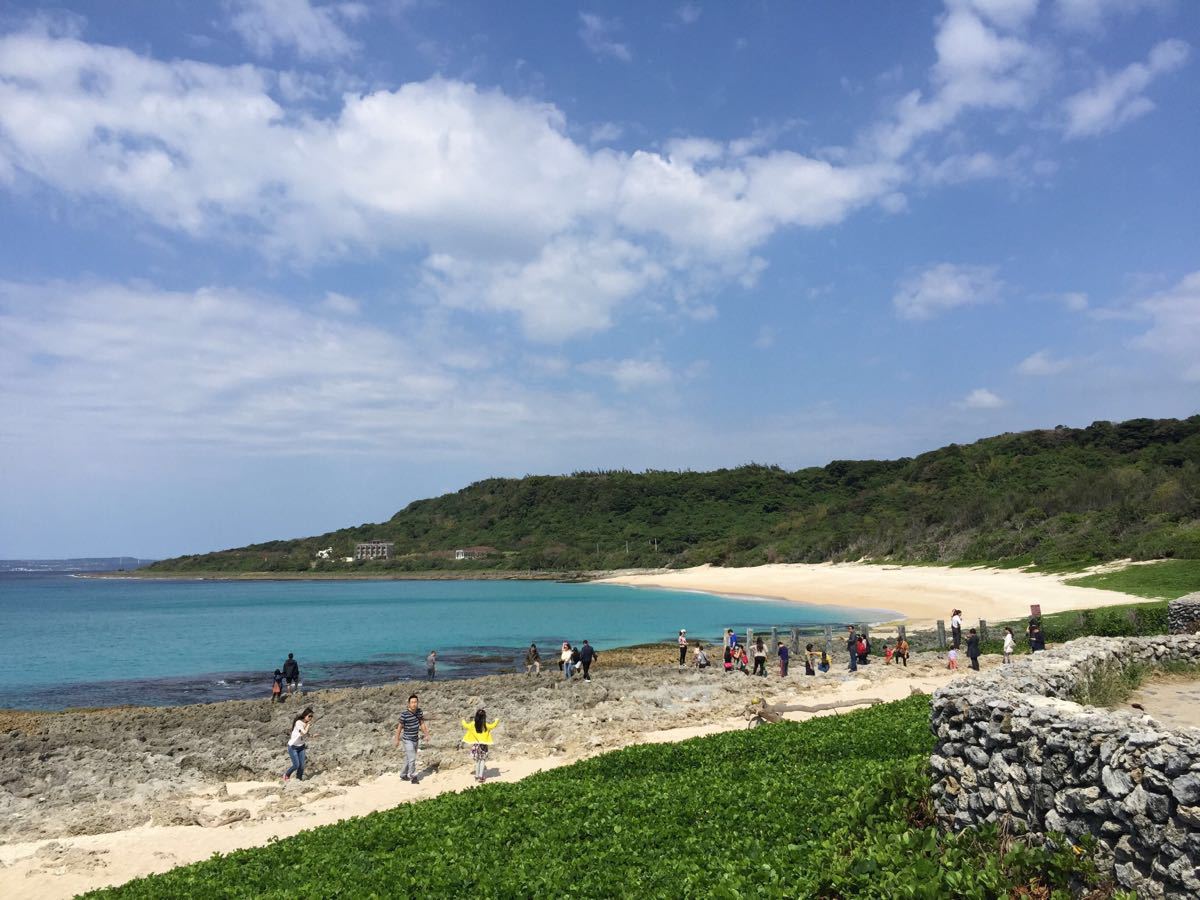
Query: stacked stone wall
[
  {"x": 1012, "y": 745},
  {"x": 1183, "y": 615}
]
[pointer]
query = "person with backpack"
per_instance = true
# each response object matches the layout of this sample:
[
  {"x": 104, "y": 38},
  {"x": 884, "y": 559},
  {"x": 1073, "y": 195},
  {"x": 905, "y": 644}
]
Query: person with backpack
[
  {"x": 587, "y": 656},
  {"x": 576, "y": 659},
  {"x": 291, "y": 673},
  {"x": 700, "y": 658},
  {"x": 477, "y": 735},
  {"x": 277, "y": 687},
  {"x": 297, "y": 745}
]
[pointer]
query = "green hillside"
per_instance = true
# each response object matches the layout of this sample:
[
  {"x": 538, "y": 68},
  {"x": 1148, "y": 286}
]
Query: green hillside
[{"x": 1056, "y": 498}]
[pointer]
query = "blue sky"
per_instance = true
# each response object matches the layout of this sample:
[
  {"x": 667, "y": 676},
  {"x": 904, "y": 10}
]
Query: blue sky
[{"x": 272, "y": 267}]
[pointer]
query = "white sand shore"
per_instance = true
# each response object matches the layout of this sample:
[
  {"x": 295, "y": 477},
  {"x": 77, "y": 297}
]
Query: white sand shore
[
  {"x": 65, "y": 866},
  {"x": 918, "y": 595}
]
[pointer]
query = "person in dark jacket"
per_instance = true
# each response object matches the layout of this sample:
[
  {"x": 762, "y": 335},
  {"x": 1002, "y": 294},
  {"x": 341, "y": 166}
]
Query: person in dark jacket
[
  {"x": 852, "y": 647},
  {"x": 973, "y": 649},
  {"x": 291, "y": 673},
  {"x": 587, "y": 655}
]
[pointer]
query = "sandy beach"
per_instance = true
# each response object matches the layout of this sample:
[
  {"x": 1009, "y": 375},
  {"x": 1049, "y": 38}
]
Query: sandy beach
[
  {"x": 919, "y": 595},
  {"x": 95, "y": 798}
]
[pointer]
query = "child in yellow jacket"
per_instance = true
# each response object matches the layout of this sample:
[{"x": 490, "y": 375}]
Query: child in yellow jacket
[{"x": 478, "y": 736}]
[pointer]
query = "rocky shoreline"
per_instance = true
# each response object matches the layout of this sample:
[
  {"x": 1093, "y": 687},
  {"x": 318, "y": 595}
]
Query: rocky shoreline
[{"x": 95, "y": 771}]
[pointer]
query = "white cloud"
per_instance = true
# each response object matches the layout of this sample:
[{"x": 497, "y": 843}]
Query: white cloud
[
  {"x": 979, "y": 66},
  {"x": 341, "y": 304},
  {"x": 440, "y": 169},
  {"x": 1117, "y": 99},
  {"x": 982, "y": 398},
  {"x": 606, "y": 133},
  {"x": 1042, "y": 363},
  {"x": 766, "y": 337},
  {"x": 631, "y": 375},
  {"x": 1175, "y": 325},
  {"x": 943, "y": 287},
  {"x": 1090, "y": 15},
  {"x": 312, "y": 31},
  {"x": 688, "y": 13},
  {"x": 1004, "y": 13},
  {"x": 102, "y": 366},
  {"x": 598, "y": 36},
  {"x": 1076, "y": 301}
]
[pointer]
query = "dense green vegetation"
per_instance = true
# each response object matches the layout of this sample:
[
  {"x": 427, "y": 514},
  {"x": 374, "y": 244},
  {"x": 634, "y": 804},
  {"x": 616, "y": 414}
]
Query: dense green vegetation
[
  {"x": 833, "y": 807},
  {"x": 1056, "y": 498},
  {"x": 1167, "y": 579}
]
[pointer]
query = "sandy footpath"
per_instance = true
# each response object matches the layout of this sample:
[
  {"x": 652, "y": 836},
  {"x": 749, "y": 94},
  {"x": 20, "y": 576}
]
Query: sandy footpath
[
  {"x": 46, "y": 855},
  {"x": 918, "y": 594}
]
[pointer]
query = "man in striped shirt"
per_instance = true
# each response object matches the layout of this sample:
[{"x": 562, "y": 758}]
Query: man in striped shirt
[{"x": 412, "y": 725}]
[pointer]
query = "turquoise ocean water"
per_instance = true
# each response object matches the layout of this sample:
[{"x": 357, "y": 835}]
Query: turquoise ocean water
[{"x": 68, "y": 641}]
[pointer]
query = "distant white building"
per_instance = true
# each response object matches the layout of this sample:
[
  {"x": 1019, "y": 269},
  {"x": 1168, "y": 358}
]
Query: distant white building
[
  {"x": 474, "y": 552},
  {"x": 325, "y": 554},
  {"x": 374, "y": 550}
]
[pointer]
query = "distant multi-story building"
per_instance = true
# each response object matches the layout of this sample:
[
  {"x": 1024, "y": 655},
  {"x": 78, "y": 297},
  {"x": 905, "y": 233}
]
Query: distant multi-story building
[{"x": 374, "y": 550}]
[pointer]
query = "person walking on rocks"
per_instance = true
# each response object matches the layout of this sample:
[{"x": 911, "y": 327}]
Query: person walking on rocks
[
  {"x": 852, "y": 647},
  {"x": 576, "y": 658},
  {"x": 973, "y": 649},
  {"x": 956, "y": 627},
  {"x": 477, "y": 735},
  {"x": 533, "y": 660},
  {"x": 291, "y": 673},
  {"x": 431, "y": 665},
  {"x": 682, "y": 647},
  {"x": 783, "y": 659},
  {"x": 412, "y": 726},
  {"x": 587, "y": 656},
  {"x": 901, "y": 652},
  {"x": 297, "y": 745},
  {"x": 277, "y": 687},
  {"x": 1009, "y": 646},
  {"x": 564, "y": 660}
]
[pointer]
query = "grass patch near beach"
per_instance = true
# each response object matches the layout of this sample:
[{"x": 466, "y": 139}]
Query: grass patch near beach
[
  {"x": 1167, "y": 580},
  {"x": 837, "y": 806}
]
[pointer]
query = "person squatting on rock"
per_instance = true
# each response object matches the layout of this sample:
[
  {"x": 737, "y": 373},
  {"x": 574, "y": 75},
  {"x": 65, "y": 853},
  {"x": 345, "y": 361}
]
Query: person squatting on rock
[
  {"x": 700, "y": 658},
  {"x": 533, "y": 660},
  {"x": 291, "y": 673},
  {"x": 297, "y": 745},
  {"x": 810, "y": 658},
  {"x": 477, "y": 735},
  {"x": 412, "y": 726}
]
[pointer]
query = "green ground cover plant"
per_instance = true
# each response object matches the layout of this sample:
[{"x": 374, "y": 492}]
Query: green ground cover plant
[
  {"x": 833, "y": 807},
  {"x": 1167, "y": 579}
]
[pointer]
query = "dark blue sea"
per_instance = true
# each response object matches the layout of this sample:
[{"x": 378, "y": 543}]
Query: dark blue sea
[{"x": 69, "y": 641}]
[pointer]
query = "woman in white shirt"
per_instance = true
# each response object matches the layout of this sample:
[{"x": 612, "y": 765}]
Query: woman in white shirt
[
  {"x": 1009, "y": 646},
  {"x": 296, "y": 744}
]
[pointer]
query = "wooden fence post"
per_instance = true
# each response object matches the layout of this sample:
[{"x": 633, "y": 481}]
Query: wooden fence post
[
  {"x": 829, "y": 639},
  {"x": 982, "y": 630},
  {"x": 749, "y": 638},
  {"x": 902, "y": 631},
  {"x": 795, "y": 639},
  {"x": 941, "y": 633},
  {"x": 774, "y": 639}
]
